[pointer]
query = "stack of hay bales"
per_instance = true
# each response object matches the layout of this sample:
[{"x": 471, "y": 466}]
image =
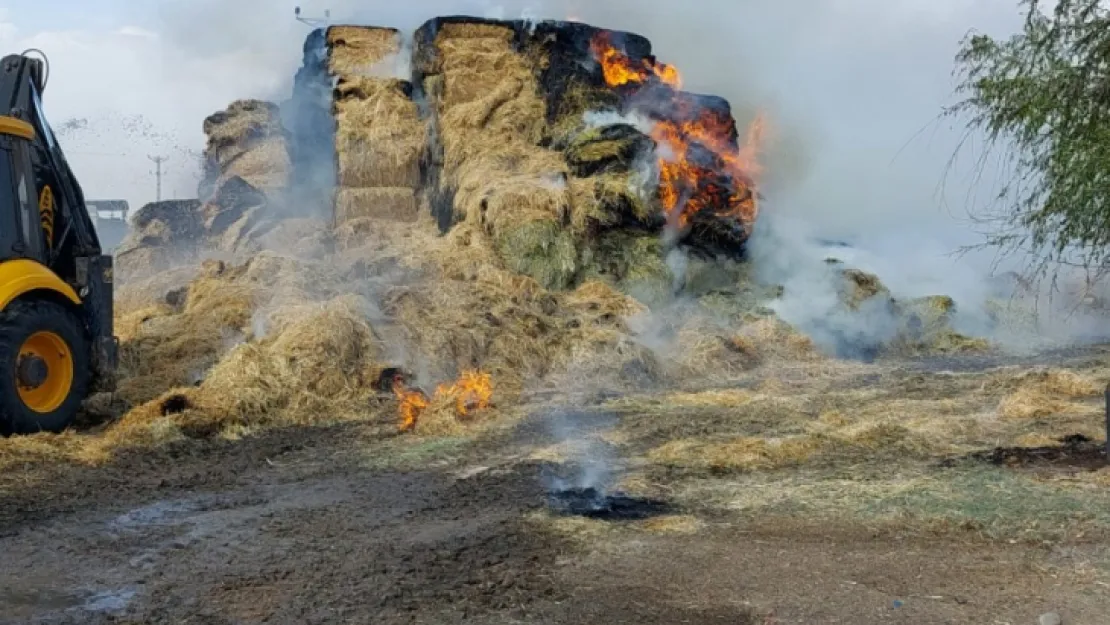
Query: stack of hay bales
[
  {"x": 243, "y": 206},
  {"x": 506, "y": 128},
  {"x": 489, "y": 119},
  {"x": 248, "y": 170},
  {"x": 379, "y": 134},
  {"x": 162, "y": 235},
  {"x": 548, "y": 219},
  {"x": 246, "y": 141}
]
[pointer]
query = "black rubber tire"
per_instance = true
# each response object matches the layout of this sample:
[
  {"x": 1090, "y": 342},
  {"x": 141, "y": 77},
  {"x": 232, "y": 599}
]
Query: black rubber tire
[{"x": 20, "y": 320}]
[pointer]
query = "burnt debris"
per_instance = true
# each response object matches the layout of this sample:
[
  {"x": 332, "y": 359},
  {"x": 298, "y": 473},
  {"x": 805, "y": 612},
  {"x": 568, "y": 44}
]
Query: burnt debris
[{"x": 592, "y": 503}]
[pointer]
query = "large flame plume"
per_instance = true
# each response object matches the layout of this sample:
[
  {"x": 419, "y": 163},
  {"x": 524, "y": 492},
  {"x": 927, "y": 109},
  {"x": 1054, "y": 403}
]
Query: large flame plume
[
  {"x": 473, "y": 391},
  {"x": 700, "y": 167}
]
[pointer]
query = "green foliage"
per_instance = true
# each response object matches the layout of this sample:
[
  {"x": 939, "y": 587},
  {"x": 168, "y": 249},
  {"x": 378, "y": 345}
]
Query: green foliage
[{"x": 1043, "y": 96}]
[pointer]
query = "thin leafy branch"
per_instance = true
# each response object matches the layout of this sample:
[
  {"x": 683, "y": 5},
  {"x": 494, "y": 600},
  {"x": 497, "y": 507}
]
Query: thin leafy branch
[{"x": 1042, "y": 99}]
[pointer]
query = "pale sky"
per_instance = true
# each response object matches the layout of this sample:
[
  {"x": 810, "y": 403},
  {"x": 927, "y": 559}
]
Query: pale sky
[{"x": 848, "y": 84}]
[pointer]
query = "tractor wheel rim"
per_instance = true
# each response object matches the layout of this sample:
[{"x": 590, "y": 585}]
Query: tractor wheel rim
[{"x": 52, "y": 350}]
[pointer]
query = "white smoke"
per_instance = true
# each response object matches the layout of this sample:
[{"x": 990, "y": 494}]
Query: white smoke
[
  {"x": 852, "y": 89},
  {"x": 589, "y": 463}
]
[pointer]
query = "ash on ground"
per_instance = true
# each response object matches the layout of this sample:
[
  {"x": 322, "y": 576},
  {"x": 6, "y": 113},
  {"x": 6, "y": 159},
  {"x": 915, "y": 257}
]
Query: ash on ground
[{"x": 596, "y": 504}]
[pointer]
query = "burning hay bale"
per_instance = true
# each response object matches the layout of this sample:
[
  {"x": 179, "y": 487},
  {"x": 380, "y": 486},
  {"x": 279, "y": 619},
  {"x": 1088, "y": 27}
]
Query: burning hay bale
[
  {"x": 554, "y": 158},
  {"x": 544, "y": 136}
]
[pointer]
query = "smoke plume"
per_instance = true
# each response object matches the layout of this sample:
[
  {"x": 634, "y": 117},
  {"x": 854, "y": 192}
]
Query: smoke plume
[{"x": 852, "y": 90}]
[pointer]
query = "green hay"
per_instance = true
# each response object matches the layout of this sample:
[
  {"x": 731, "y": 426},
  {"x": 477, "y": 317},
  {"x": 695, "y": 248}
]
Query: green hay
[
  {"x": 926, "y": 329},
  {"x": 609, "y": 148},
  {"x": 543, "y": 250},
  {"x": 606, "y": 200},
  {"x": 569, "y": 119},
  {"x": 634, "y": 263}
]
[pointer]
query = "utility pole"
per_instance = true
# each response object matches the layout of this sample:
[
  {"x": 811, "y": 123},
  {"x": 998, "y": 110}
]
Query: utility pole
[
  {"x": 158, "y": 160},
  {"x": 314, "y": 22}
]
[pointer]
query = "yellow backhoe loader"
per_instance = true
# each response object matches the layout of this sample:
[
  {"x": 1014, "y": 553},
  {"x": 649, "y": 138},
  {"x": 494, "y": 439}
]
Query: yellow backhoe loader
[{"x": 56, "y": 337}]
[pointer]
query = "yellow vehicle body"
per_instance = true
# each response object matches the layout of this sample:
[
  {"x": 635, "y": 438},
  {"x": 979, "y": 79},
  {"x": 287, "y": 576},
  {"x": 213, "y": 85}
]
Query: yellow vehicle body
[
  {"x": 56, "y": 285},
  {"x": 21, "y": 277}
]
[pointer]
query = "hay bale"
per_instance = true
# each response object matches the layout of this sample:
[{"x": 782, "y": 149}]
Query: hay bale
[
  {"x": 634, "y": 262},
  {"x": 266, "y": 165},
  {"x": 163, "y": 224},
  {"x": 489, "y": 116},
  {"x": 248, "y": 141},
  {"x": 542, "y": 249},
  {"x": 925, "y": 328},
  {"x": 380, "y": 136},
  {"x": 612, "y": 200},
  {"x": 397, "y": 204},
  {"x": 233, "y": 200},
  {"x": 362, "y": 50},
  {"x": 431, "y": 35},
  {"x": 235, "y": 130},
  {"x": 569, "y": 112},
  {"x": 858, "y": 287},
  {"x": 613, "y": 148},
  {"x": 507, "y": 117}
]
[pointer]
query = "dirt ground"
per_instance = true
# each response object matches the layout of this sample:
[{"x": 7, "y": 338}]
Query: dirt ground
[{"x": 338, "y": 525}]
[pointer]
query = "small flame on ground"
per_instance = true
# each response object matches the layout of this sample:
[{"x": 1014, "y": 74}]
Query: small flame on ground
[
  {"x": 412, "y": 404},
  {"x": 688, "y": 188},
  {"x": 473, "y": 391}
]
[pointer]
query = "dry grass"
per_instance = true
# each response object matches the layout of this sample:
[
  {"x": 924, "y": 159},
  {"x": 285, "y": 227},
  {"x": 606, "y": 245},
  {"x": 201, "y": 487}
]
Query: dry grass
[
  {"x": 1046, "y": 393},
  {"x": 740, "y": 454},
  {"x": 395, "y": 203},
  {"x": 237, "y": 129},
  {"x": 380, "y": 137},
  {"x": 360, "y": 50},
  {"x": 673, "y": 524},
  {"x": 469, "y": 30},
  {"x": 266, "y": 165}
]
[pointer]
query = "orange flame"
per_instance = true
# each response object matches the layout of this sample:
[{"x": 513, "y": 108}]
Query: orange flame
[
  {"x": 413, "y": 403},
  {"x": 472, "y": 392},
  {"x": 619, "y": 69},
  {"x": 687, "y": 188}
]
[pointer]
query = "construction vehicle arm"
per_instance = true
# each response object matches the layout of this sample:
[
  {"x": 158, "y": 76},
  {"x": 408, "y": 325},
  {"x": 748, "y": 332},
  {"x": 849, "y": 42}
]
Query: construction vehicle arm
[{"x": 66, "y": 242}]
